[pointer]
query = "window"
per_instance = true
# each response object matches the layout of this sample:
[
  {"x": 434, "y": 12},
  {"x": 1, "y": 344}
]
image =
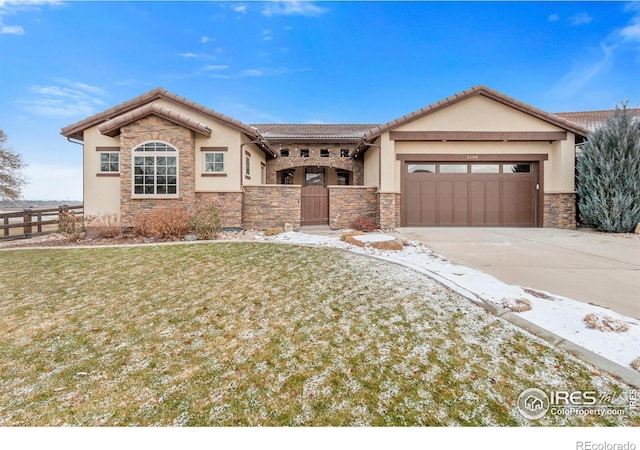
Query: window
[
  {"x": 284, "y": 152},
  {"x": 247, "y": 165},
  {"x": 155, "y": 169},
  {"x": 109, "y": 162},
  {"x": 421, "y": 168},
  {"x": 304, "y": 153},
  {"x": 485, "y": 168},
  {"x": 324, "y": 153},
  {"x": 213, "y": 162},
  {"x": 453, "y": 168},
  {"x": 343, "y": 177},
  {"x": 286, "y": 177},
  {"x": 344, "y": 152},
  {"x": 314, "y": 176},
  {"x": 516, "y": 168}
]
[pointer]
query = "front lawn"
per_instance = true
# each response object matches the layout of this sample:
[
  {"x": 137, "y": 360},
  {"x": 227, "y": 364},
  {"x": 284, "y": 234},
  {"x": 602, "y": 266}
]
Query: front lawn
[{"x": 259, "y": 334}]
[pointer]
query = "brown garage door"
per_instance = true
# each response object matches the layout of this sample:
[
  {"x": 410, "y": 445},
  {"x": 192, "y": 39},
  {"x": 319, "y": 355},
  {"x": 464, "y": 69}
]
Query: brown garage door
[{"x": 483, "y": 194}]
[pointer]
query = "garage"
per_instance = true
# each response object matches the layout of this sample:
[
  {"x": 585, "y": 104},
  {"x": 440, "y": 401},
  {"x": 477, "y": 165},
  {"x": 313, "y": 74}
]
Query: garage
[{"x": 477, "y": 194}]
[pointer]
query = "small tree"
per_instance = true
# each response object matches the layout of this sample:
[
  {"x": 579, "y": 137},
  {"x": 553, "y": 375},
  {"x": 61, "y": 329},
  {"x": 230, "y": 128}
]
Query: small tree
[
  {"x": 609, "y": 175},
  {"x": 11, "y": 180}
]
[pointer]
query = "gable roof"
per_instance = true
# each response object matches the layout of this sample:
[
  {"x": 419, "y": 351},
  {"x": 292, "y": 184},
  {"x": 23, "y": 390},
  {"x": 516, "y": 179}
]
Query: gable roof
[
  {"x": 592, "y": 120},
  {"x": 476, "y": 90},
  {"x": 77, "y": 129},
  {"x": 325, "y": 133},
  {"x": 112, "y": 127}
]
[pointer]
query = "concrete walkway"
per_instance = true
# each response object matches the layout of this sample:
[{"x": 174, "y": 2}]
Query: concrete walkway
[{"x": 597, "y": 268}]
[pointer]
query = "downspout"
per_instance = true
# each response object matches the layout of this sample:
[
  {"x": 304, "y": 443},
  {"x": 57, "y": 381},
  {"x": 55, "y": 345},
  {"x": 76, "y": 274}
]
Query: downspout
[{"x": 79, "y": 142}]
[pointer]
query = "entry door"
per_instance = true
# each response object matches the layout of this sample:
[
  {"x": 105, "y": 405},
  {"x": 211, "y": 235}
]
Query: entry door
[{"x": 314, "y": 201}]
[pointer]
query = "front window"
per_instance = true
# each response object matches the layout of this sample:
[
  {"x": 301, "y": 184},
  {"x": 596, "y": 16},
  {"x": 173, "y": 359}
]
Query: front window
[
  {"x": 214, "y": 162},
  {"x": 342, "y": 177},
  {"x": 109, "y": 162},
  {"x": 155, "y": 169}
]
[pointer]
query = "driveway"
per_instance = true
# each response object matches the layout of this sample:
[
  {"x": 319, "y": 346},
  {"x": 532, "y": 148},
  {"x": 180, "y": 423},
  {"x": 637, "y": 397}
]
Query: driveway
[{"x": 596, "y": 268}]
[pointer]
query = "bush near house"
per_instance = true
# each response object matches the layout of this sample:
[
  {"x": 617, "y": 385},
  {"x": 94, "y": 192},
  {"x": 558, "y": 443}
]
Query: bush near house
[
  {"x": 206, "y": 220},
  {"x": 608, "y": 175},
  {"x": 170, "y": 223},
  {"x": 71, "y": 225},
  {"x": 364, "y": 224}
]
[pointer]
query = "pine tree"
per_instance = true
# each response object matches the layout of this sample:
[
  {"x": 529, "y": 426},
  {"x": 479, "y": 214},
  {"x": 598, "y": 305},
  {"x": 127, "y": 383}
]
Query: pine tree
[
  {"x": 609, "y": 175},
  {"x": 11, "y": 181}
]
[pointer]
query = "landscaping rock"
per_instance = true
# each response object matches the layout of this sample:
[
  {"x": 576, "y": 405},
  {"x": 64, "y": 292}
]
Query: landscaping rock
[
  {"x": 288, "y": 227},
  {"x": 387, "y": 245}
]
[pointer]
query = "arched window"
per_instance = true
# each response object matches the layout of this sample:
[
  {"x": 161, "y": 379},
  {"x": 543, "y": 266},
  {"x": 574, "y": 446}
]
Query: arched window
[{"x": 155, "y": 169}]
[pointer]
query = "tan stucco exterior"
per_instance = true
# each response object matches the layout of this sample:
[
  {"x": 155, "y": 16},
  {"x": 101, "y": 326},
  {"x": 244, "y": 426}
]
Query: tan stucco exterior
[
  {"x": 477, "y": 114},
  {"x": 477, "y": 122}
]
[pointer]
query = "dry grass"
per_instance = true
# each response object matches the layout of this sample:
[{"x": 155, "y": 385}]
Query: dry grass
[
  {"x": 516, "y": 304},
  {"x": 605, "y": 323},
  {"x": 259, "y": 334}
]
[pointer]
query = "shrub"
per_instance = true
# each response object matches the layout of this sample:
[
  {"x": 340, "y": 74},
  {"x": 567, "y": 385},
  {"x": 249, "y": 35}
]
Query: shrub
[
  {"x": 170, "y": 223},
  {"x": 206, "y": 220},
  {"x": 607, "y": 175},
  {"x": 104, "y": 226},
  {"x": 71, "y": 225},
  {"x": 364, "y": 224}
]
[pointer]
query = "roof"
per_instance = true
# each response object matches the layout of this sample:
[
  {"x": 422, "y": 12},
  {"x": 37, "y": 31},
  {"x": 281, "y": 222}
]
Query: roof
[
  {"x": 112, "y": 127},
  {"x": 592, "y": 120},
  {"x": 289, "y": 133},
  {"x": 476, "y": 90},
  {"x": 76, "y": 130}
]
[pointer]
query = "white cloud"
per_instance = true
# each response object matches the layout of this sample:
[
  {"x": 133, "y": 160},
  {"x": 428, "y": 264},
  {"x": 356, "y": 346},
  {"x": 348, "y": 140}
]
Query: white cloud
[
  {"x": 293, "y": 8},
  {"x": 579, "y": 19},
  {"x": 53, "y": 182},
  {"x": 632, "y": 31},
  {"x": 266, "y": 35},
  {"x": 188, "y": 55},
  {"x": 74, "y": 99},
  {"x": 205, "y": 39},
  {"x": 574, "y": 81},
  {"x": 11, "y": 29},
  {"x": 242, "y": 9},
  {"x": 209, "y": 67},
  {"x": 553, "y": 18}
]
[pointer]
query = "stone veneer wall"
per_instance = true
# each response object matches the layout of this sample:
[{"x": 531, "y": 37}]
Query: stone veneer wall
[
  {"x": 388, "y": 210},
  {"x": 560, "y": 211},
  {"x": 314, "y": 160},
  {"x": 231, "y": 203},
  {"x": 347, "y": 203},
  {"x": 269, "y": 206},
  {"x": 154, "y": 128}
]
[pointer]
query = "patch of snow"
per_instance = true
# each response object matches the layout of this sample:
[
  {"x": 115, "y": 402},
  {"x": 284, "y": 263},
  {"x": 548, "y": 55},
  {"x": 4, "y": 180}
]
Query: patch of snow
[{"x": 559, "y": 315}]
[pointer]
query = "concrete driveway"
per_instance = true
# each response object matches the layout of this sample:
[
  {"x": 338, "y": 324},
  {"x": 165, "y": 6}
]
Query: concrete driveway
[{"x": 597, "y": 268}]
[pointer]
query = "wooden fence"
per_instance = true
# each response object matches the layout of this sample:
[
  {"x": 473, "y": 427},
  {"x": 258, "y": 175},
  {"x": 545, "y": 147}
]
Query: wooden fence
[{"x": 31, "y": 222}]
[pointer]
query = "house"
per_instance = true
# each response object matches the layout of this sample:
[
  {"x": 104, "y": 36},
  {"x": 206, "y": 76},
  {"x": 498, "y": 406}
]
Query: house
[{"x": 477, "y": 158}]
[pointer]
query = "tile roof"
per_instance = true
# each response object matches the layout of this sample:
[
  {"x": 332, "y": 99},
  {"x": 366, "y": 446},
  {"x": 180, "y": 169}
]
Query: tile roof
[
  {"x": 76, "y": 130},
  {"x": 592, "y": 120},
  {"x": 290, "y": 132},
  {"x": 476, "y": 90},
  {"x": 112, "y": 127}
]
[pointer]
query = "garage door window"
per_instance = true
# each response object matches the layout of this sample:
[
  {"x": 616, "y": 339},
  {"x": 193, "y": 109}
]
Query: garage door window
[
  {"x": 516, "y": 168},
  {"x": 485, "y": 168},
  {"x": 421, "y": 168},
  {"x": 453, "y": 168}
]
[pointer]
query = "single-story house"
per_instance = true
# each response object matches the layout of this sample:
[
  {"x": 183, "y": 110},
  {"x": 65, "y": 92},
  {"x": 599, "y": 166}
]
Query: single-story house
[{"x": 477, "y": 158}]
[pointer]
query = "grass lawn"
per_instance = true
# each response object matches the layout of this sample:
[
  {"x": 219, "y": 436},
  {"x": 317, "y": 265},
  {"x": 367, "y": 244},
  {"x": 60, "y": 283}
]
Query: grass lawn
[{"x": 259, "y": 334}]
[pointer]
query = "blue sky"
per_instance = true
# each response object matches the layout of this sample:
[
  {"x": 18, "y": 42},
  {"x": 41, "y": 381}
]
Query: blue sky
[{"x": 301, "y": 62}]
